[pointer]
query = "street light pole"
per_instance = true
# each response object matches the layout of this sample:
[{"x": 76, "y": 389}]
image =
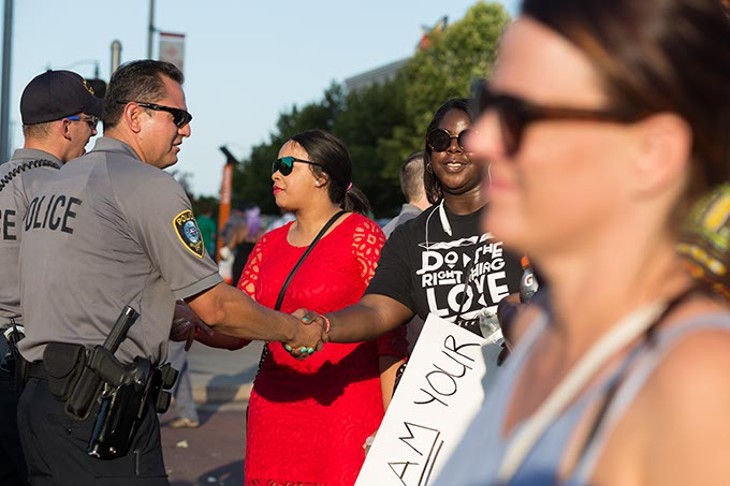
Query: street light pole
[
  {"x": 151, "y": 29},
  {"x": 116, "y": 56},
  {"x": 5, "y": 90}
]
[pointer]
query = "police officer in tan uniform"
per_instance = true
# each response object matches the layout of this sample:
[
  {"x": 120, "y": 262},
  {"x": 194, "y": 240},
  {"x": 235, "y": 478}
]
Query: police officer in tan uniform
[
  {"x": 111, "y": 230},
  {"x": 59, "y": 113}
]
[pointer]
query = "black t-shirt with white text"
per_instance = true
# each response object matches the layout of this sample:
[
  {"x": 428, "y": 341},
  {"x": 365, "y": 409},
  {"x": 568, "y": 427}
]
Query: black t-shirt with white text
[{"x": 436, "y": 264}]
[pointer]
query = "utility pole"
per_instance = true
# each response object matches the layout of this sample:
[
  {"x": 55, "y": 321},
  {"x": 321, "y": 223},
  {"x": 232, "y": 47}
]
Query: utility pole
[
  {"x": 5, "y": 90},
  {"x": 151, "y": 29}
]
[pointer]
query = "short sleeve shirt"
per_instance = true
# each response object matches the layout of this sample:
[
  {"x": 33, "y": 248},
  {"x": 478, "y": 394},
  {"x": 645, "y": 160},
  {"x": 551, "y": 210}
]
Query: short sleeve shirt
[
  {"x": 106, "y": 231},
  {"x": 19, "y": 177},
  {"x": 457, "y": 277}
]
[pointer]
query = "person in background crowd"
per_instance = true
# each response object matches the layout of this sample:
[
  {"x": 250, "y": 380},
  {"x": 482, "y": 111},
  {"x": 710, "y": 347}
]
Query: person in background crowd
[
  {"x": 603, "y": 123},
  {"x": 411, "y": 185},
  {"x": 186, "y": 415},
  {"x": 285, "y": 217},
  {"x": 60, "y": 114},
  {"x": 245, "y": 238},
  {"x": 230, "y": 235},
  {"x": 208, "y": 227}
]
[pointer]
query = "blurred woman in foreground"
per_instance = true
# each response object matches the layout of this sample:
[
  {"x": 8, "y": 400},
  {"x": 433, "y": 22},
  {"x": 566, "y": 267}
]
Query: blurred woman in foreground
[{"x": 603, "y": 122}]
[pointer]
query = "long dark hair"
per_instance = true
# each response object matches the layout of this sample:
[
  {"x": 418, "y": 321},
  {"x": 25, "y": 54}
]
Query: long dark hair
[
  {"x": 430, "y": 182},
  {"x": 658, "y": 56},
  {"x": 331, "y": 152}
]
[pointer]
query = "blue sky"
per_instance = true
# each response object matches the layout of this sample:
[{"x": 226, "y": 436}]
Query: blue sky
[{"x": 245, "y": 61}]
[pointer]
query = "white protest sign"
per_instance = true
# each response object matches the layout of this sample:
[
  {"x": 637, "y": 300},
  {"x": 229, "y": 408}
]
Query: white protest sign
[{"x": 438, "y": 395}]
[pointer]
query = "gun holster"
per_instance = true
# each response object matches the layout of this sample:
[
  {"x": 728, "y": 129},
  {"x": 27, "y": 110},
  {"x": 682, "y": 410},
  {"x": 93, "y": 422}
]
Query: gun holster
[
  {"x": 126, "y": 392},
  {"x": 84, "y": 377}
]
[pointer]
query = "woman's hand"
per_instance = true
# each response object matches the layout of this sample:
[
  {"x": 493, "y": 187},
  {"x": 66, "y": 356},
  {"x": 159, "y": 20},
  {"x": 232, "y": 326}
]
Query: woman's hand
[{"x": 310, "y": 336}]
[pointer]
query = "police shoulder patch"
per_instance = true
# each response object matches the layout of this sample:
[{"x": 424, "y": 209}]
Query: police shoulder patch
[{"x": 187, "y": 230}]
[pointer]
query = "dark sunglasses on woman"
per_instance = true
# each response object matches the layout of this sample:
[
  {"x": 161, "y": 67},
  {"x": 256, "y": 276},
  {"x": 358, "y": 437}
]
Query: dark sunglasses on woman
[
  {"x": 285, "y": 165},
  {"x": 516, "y": 113},
  {"x": 440, "y": 140}
]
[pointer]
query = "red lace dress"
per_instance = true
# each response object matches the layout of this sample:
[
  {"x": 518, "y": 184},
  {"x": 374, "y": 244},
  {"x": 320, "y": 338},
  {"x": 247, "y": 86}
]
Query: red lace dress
[{"x": 307, "y": 420}]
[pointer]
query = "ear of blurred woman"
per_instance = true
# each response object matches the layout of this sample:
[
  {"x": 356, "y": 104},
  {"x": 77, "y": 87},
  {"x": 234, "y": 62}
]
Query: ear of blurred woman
[{"x": 664, "y": 154}]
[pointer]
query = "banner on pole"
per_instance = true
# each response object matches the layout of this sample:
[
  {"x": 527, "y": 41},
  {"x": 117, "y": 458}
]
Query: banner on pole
[
  {"x": 172, "y": 48},
  {"x": 224, "y": 212},
  {"x": 438, "y": 396}
]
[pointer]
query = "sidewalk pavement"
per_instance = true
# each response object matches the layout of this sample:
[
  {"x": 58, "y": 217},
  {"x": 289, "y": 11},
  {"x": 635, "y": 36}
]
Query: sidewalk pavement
[{"x": 221, "y": 377}]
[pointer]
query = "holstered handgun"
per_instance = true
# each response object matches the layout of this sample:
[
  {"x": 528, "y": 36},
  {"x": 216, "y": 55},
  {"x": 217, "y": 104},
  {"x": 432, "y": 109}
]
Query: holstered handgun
[
  {"x": 123, "y": 406},
  {"x": 121, "y": 410},
  {"x": 88, "y": 386},
  {"x": 121, "y": 390}
]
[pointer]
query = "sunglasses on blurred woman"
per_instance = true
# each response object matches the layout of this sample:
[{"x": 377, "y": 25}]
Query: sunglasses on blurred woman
[{"x": 516, "y": 113}]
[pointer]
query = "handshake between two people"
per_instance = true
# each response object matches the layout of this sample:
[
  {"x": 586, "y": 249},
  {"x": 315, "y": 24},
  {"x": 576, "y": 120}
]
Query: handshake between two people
[{"x": 309, "y": 337}]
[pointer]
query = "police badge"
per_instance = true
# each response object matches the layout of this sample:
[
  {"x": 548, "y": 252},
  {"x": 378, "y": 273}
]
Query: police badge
[{"x": 187, "y": 230}]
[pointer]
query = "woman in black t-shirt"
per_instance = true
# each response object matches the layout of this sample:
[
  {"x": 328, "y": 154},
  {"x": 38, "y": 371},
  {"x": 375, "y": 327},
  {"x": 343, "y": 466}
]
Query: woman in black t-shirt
[{"x": 440, "y": 262}]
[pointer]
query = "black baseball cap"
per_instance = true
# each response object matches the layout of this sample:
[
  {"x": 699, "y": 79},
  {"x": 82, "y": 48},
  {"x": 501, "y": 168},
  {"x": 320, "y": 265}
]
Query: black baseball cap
[{"x": 57, "y": 94}]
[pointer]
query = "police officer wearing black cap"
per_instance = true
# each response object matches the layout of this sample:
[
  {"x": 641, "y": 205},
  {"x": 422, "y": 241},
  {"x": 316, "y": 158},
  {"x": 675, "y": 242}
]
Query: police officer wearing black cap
[
  {"x": 106, "y": 231},
  {"x": 59, "y": 113}
]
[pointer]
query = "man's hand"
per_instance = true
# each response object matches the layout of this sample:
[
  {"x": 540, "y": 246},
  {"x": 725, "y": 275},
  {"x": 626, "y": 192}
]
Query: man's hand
[
  {"x": 310, "y": 335},
  {"x": 185, "y": 325}
]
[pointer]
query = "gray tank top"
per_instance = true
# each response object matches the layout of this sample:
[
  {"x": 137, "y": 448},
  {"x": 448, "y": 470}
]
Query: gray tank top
[{"x": 478, "y": 457}]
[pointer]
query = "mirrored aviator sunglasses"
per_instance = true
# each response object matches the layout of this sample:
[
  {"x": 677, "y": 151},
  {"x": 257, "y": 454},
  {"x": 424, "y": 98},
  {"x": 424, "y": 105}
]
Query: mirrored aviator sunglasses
[{"x": 440, "y": 140}]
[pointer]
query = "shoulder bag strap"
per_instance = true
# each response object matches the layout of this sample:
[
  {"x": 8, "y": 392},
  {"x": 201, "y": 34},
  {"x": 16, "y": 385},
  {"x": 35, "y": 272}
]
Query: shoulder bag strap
[
  {"x": 280, "y": 299},
  {"x": 319, "y": 236}
]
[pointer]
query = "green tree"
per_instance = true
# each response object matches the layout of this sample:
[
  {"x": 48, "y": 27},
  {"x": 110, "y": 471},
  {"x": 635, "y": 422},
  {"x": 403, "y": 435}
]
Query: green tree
[
  {"x": 368, "y": 118},
  {"x": 464, "y": 52},
  {"x": 383, "y": 123}
]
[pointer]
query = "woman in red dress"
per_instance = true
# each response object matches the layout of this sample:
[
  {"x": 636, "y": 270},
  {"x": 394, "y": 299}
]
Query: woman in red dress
[{"x": 309, "y": 418}]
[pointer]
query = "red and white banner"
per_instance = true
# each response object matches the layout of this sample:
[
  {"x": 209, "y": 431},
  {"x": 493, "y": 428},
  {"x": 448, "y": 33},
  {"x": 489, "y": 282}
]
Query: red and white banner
[{"x": 172, "y": 48}]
